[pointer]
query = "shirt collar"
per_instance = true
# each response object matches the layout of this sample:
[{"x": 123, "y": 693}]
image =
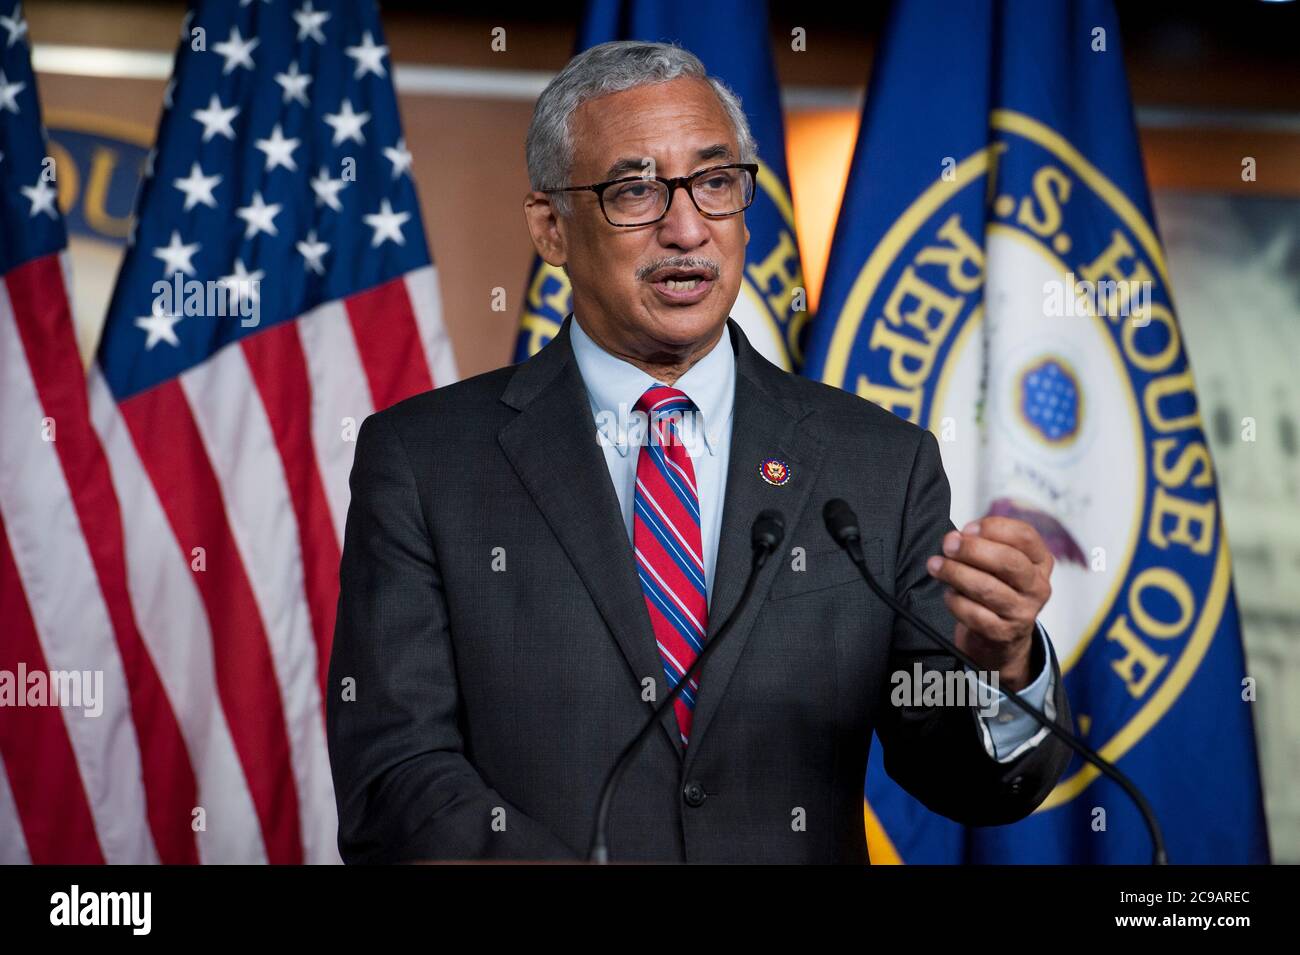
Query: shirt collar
[{"x": 614, "y": 384}]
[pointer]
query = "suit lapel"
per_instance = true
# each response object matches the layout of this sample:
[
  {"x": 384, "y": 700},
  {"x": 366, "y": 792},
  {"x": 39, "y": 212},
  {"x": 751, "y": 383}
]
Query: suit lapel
[
  {"x": 764, "y": 425},
  {"x": 553, "y": 448}
]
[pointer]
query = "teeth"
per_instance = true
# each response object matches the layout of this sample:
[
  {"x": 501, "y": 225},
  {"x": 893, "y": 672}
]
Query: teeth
[{"x": 684, "y": 286}]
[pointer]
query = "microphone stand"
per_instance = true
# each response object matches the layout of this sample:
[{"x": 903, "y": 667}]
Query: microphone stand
[{"x": 768, "y": 531}]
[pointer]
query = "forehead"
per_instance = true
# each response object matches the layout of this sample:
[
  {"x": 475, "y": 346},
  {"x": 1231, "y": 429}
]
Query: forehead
[{"x": 679, "y": 124}]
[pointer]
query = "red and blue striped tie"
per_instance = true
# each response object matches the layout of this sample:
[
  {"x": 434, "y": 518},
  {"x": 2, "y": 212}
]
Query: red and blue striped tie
[{"x": 666, "y": 538}]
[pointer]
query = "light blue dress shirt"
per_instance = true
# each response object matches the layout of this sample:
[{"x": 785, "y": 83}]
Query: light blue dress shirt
[{"x": 613, "y": 388}]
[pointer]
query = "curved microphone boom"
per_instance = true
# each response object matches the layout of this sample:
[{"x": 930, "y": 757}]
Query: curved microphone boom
[
  {"x": 765, "y": 537},
  {"x": 842, "y": 524}
]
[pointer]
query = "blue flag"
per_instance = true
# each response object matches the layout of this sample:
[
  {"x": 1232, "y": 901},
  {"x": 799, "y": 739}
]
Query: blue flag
[
  {"x": 996, "y": 277},
  {"x": 731, "y": 38}
]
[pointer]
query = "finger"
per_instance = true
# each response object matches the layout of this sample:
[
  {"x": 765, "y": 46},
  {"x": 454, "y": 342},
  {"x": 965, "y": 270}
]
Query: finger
[
  {"x": 1009, "y": 530},
  {"x": 1002, "y": 560},
  {"x": 979, "y": 585},
  {"x": 979, "y": 619}
]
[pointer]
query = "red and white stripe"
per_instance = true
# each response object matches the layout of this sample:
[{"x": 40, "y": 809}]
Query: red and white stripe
[{"x": 211, "y": 746}]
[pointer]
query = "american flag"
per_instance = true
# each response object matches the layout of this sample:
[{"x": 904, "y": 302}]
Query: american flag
[{"x": 174, "y": 520}]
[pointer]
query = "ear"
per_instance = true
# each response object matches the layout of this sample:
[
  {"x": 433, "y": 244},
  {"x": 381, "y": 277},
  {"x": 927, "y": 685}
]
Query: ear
[{"x": 544, "y": 225}]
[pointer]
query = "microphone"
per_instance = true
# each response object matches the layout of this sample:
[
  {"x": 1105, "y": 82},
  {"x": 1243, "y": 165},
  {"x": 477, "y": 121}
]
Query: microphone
[
  {"x": 765, "y": 537},
  {"x": 842, "y": 524}
]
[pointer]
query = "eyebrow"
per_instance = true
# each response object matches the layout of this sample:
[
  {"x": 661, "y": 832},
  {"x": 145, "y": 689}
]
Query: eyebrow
[{"x": 634, "y": 164}]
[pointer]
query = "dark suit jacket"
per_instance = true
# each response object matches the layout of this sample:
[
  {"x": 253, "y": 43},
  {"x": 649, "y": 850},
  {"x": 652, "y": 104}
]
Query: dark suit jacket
[{"x": 490, "y": 703}]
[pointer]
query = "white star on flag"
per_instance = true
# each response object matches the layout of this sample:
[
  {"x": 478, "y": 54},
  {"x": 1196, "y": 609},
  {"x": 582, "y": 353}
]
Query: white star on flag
[
  {"x": 279, "y": 151},
  {"x": 178, "y": 256},
  {"x": 197, "y": 188},
  {"x": 237, "y": 51},
  {"x": 16, "y": 26},
  {"x": 399, "y": 156},
  {"x": 259, "y": 215},
  {"x": 313, "y": 251},
  {"x": 327, "y": 190},
  {"x": 369, "y": 57},
  {"x": 310, "y": 22},
  {"x": 295, "y": 84},
  {"x": 216, "y": 119},
  {"x": 161, "y": 327},
  {"x": 243, "y": 284},
  {"x": 387, "y": 224},
  {"x": 42, "y": 198},
  {"x": 8, "y": 92},
  {"x": 347, "y": 124}
]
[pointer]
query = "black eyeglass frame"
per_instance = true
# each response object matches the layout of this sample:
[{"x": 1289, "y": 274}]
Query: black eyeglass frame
[{"x": 672, "y": 184}]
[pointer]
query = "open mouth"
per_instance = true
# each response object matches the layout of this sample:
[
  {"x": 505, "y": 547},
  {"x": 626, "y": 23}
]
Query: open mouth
[{"x": 682, "y": 287}]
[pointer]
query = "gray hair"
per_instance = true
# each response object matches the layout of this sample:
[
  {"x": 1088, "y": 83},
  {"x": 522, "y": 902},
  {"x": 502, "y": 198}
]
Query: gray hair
[{"x": 611, "y": 68}]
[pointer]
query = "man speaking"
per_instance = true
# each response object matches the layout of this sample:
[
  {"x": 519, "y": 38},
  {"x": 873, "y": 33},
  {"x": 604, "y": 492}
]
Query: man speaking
[{"x": 535, "y": 556}]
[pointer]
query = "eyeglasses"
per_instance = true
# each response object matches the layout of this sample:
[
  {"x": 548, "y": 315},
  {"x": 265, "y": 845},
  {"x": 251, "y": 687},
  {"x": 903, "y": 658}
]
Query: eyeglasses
[{"x": 717, "y": 192}]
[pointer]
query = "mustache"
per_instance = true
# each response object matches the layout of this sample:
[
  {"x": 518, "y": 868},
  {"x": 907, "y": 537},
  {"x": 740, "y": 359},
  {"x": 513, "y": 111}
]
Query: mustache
[{"x": 680, "y": 262}]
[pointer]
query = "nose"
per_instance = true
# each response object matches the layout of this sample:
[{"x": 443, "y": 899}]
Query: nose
[{"x": 683, "y": 227}]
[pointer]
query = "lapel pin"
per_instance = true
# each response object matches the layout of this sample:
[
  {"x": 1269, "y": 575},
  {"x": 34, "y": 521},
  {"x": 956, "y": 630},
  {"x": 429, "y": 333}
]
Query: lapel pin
[{"x": 775, "y": 472}]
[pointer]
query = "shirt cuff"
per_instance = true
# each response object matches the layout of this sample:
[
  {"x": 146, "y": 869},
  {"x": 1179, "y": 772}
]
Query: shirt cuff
[{"x": 1009, "y": 730}]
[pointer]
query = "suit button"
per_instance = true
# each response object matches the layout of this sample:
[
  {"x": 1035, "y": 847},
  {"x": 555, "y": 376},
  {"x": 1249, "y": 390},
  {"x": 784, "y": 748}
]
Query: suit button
[
  {"x": 694, "y": 794},
  {"x": 1017, "y": 783}
]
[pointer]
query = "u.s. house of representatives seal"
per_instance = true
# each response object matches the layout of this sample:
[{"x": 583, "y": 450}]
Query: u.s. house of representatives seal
[{"x": 1019, "y": 308}]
